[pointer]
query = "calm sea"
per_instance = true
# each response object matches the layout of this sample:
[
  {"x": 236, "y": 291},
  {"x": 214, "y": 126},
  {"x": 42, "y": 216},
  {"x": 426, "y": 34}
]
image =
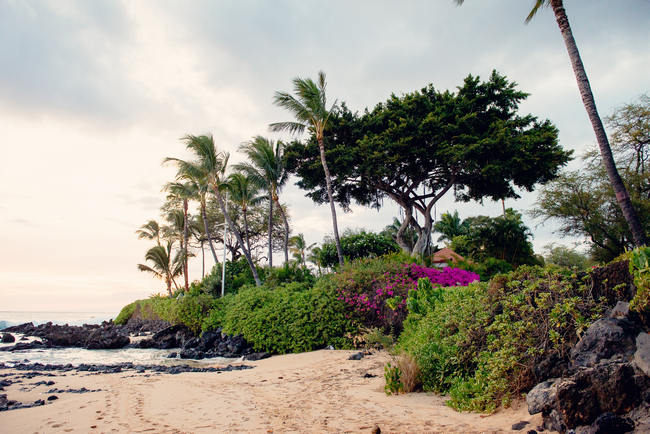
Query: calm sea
[
  {"x": 11, "y": 318},
  {"x": 77, "y": 356}
]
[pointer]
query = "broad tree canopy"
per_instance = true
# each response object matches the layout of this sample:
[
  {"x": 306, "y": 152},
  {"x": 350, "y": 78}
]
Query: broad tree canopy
[{"x": 415, "y": 148}]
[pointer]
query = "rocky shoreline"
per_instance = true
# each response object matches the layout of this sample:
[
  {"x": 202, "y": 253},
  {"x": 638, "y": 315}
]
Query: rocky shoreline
[
  {"x": 604, "y": 386},
  {"x": 156, "y": 334}
]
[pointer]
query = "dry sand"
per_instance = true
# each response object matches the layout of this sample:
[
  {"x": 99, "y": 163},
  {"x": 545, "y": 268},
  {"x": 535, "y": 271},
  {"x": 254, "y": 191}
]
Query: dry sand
[{"x": 321, "y": 391}]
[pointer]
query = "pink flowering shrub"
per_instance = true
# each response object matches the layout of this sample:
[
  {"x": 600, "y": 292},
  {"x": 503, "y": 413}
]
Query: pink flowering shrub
[{"x": 376, "y": 290}]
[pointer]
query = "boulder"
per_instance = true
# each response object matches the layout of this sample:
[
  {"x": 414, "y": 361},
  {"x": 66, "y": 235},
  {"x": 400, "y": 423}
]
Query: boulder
[
  {"x": 642, "y": 353},
  {"x": 621, "y": 310},
  {"x": 105, "y": 339},
  {"x": 603, "y": 339},
  {"x": 542, "y": 397},
  {"x": 257, "y": 356},
  {"x": 8, "y": 338}
]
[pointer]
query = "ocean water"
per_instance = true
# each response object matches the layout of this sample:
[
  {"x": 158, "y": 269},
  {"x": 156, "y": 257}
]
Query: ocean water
[
  {"x": 77, "y": 356},
  {"x": 11, "y": 318}
]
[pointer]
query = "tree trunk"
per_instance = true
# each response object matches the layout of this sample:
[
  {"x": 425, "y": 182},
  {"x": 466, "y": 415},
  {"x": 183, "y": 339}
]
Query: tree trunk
[
  {"x": 622, "y": 196},
  {"x": 328, "y": 182},
  {"x": 423, "y": 240},
  {"x": 399, "y": 238},
  {"x": 248, "y": 244},
  {"x": 169, "y": 286},
  {"x": 286, "y": 231},
  {"x": 204, "y": 217},
  {"x": 234, "y": 230},
  {"x": 270, "y": 229},
  {"x": 202, "y": 261},
  {"x": 185, "y": 242}
]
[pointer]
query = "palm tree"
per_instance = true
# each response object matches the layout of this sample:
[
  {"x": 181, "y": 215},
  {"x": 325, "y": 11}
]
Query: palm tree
[
  {"x": 184, "y": 192},
  {"x": 149, "y": 231},
  {"x": 213, "y": 166},
  {"x": 244, "y": 193},
  {"x": 314, "y": 257},
  {"x": 309, "y": 107},
  {"x": 622, "y": 196},
  {"x": 299, "y": 247},
  {"x": 163, "y": 266},
  {"x": 450, "y": 225},
  {"x": 191, "y": 173},
  {"x": 267, "y": 168}
]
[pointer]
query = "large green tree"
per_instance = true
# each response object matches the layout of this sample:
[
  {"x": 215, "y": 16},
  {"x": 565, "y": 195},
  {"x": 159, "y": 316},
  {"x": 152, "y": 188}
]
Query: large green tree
[
  {"x": 415, "y": 148},
  {"x": 505, "y": 237},
  {"x": 588, "y": 100},
  {"x": 309, "y": 107}
]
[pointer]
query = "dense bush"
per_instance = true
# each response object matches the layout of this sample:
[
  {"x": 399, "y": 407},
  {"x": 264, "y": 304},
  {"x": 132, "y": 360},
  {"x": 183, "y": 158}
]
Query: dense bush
[
  {"x": 376, "y": 289},
  {"x": 480, "y": 343},
  {"x": 289, "y": 318},
  {"x": 357, "y": 245},
  {"x": 188, "y": 309},
  {"x": 238, "y": 274},
  {"x": 288, "y": 273}
]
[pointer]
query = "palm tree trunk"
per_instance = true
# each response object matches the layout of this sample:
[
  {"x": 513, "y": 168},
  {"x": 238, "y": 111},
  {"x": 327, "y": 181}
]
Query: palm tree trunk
[
  {"x": 204, "y": 217},
  {"x": 328, "y": 182},
  {"x": 622, "y": 196},
  {"x": 270, "y": 229},
  {"x": 234, "y": 230},
  {"x": 286, "y": 231},
  {"x": 185, "y": 240},
  {"x": 202, "y": 261},
  {"x": 248, "y": 244},
  {"x": 169, "y": 285}
]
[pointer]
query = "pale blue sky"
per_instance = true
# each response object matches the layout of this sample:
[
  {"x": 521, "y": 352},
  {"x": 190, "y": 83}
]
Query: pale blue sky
[{"x": 93, "y": 96}]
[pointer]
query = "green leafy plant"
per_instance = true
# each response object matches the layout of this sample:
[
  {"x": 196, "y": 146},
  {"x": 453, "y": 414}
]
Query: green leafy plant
[
  {"x": 640, "y": 270},
  {"x": 392, "y": 376},
  {"x": 481, "y": 343}
]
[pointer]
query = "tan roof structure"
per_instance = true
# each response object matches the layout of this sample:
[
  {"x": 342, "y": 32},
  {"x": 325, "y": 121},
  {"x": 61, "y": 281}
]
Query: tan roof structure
[{"x": 446, "y": 255}]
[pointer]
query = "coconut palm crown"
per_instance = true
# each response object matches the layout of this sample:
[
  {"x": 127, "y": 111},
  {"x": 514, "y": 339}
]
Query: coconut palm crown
[{"x": 309, "y": 107}]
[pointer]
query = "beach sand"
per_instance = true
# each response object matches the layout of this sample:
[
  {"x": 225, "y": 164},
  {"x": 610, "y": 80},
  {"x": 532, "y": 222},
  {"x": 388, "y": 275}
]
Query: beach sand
[{"x": 320, "y": 391}]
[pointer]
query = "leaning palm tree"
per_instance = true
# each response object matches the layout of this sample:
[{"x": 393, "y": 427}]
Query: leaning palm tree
[
  {"x": 191, "y": 173},
  {"x": 149, "y": 231},
  {"x": 244, "y": 193},
  {"x": 309, "y": 106},
  {"x": 213, "y": 166},
  {"x": 622, "y": 196},
  {"x": 266, "y": 167},
  {"x": 163, "y": 266},
  {"x": 184, "y": 192}
]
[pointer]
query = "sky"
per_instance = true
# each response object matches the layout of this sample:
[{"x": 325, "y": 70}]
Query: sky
[{"x": 94, "y": 95}]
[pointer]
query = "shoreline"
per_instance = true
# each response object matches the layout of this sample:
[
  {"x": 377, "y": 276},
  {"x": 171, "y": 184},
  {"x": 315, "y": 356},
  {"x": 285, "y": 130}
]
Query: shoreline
[{"x": 319, "y": 391}]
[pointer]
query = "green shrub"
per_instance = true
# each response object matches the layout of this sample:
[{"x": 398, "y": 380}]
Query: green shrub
[
  {"x": 290, "y": 318},
  {"x": 392, "y": 376},
  {"x": 288, "y": 273},
  {"x": 215, "y": 317},
  {"x": 640, "y": 270},
  {"x": 481, "y": 343},
  {"x": 357, "y": 245},
  {"x": 125, "y": 314},
  {"x": 190, "y": 310}
]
